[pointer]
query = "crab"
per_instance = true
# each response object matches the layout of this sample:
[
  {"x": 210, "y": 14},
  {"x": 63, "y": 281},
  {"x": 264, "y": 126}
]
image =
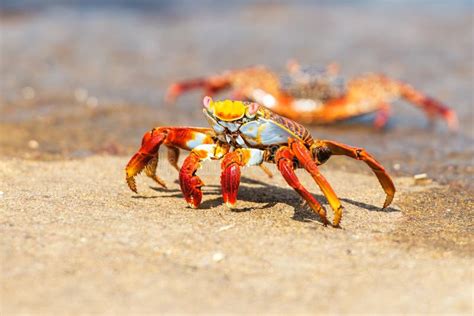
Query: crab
[
  {"x": 245, "y": 134},
  {"x": 317, "y": 96}
]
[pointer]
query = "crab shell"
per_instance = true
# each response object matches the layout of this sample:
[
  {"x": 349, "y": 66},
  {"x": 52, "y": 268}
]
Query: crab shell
[
  {"x": 229, "y": 110},
  {"x": 251, "y": 124}
]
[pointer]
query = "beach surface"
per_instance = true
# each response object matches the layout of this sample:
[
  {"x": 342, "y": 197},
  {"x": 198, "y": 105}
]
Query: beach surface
[
  {"x": 82, "y": 81},
  {"x": 76, "y": 240}
]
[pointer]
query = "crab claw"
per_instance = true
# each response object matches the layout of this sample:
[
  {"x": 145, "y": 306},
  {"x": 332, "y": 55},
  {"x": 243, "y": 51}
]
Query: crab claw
[
  {"x": 146, "y": 158},
  {"x": 230, "y": 180},
  {"x": 189, "y": 182}
]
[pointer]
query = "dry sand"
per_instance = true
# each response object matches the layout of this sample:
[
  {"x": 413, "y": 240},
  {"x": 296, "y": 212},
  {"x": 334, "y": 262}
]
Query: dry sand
[{"x": 75, "y": 240}]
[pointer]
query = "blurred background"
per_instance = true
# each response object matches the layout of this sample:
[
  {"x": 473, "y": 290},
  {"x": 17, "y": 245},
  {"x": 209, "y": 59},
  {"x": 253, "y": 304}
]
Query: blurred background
[{"x": 80, "y": 78}]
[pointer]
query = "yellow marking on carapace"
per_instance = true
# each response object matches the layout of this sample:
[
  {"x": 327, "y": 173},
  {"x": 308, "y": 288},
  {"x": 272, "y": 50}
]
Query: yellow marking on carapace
[
  {"x": 259, "y": 133},
  {"x": 228, "y": 110}
]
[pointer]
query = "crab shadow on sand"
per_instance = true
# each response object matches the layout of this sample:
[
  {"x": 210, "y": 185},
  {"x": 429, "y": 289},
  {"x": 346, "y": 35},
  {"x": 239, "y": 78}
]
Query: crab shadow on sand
[{"x": 263, "y": 193}]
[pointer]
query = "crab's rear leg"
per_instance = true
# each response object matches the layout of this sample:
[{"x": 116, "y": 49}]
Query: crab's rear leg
[
  {"x": 325, "y": 148},
  {"x": 146, "y": 158}
]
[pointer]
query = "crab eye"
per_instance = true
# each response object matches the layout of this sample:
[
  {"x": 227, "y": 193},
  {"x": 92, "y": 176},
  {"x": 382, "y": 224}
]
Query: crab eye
[
  {"x": 207, "y": 101},
  {"x": 252, "y": 109}
]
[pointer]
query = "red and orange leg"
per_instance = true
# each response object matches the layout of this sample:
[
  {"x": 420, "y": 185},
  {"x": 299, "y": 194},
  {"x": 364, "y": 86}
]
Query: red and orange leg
[
  {"x": 432, "y": 107},
  {"x": 189, "y": 182},
  {"x": 382, "y": 116},
  {"x": 230, "y": 176},
  {"x": 379, "y": 90},
  {"x": 175, "y": 138},
  {"x": 285, "y": 163},
  {"x": 210, "y": 86},
  {"x": 306, "y": 160},
  {"x": 329, "y": 148}
]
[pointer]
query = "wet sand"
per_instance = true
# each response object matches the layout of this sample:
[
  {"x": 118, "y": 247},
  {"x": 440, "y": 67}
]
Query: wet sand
[
  {"x": 76, "y": 240},
  {"x": 81, "y": 81}
]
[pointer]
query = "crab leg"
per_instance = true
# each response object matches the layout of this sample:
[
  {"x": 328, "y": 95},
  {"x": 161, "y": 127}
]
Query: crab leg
[
  {"x": 190, "y": 183},
  {"x": 306, "y": 160},
  {"x": 433, "y": 108},
  {"x": 230, "y": 176},
  {"x": 377, "y": 90},
  {"x": 211, "y": 85},
  {"x": 174, "y": 138},
  {"x": 334, "y": 148},
  {"x": 284, "y": 159},
  {"x": 382, "y": 116}
]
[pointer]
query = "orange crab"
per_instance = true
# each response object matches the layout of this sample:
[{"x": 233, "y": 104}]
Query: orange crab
[
  {"x": 248, "y": 134},
  {"x": 317, "y": 97}
]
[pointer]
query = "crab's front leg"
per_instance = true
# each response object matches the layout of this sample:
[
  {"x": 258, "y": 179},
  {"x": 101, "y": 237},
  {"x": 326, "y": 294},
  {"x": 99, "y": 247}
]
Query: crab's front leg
[
  {"x": 175, "y": 138},
  {"x": 190, "y": 183},
  {"x": 230, "y": 176},
  {"x": 210, "y": 86}
]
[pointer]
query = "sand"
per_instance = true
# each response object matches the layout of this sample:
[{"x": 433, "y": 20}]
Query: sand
[
  {"x": 75, "y": 240},
  {"x": 81, "y": 83}
]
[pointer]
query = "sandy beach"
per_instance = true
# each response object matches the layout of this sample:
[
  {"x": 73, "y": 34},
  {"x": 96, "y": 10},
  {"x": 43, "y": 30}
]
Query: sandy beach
[
  {"x": 75, "y": 240},
  {"x": 80, "y": 82}
]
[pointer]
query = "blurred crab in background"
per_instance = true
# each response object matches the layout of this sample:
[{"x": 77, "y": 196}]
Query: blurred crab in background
[
  {"x": 317, "y": 96},
  {"x": 248, "y": 134}
]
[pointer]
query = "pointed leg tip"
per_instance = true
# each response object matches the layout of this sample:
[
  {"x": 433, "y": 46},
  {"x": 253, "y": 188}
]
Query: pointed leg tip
[
  {"x": 158, "y": 180},
  {"x": 324, "y": 221},
  {"x": 387, "y": 202},
  {"x": 452, "y": 121},
  {"x": 193, "y": 202},
  {"x": 163, "y": 185},
  {"x": 230, "y": 204},
  {"x": 172, "y": 94},
  {"x": 131, "y": 184}
]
